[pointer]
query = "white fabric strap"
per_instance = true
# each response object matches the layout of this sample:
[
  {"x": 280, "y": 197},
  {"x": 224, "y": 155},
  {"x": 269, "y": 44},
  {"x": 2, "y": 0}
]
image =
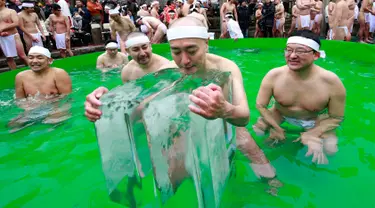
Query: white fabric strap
[
  {"x": 182, "y": 32},
  {"x": 40, "y": 50},
  {"x": 27, "y": 5},
  {"x": 137, "y": 41},
  {"x": 144, "y": 5},
  {"x": 307, "y": 42},
  {"x": 114, "y": 11},
  {"x": 229, "y": 15},
  {"x": 111, "y": 45}
]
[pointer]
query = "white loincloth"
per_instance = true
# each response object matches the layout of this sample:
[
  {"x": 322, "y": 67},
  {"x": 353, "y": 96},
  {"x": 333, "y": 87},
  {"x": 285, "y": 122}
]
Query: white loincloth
[
  {"x": 8, "y": 45},
  {"x": 163, "y": 28},
  {"x": 39, "y": 37},
  {"x": 305, "y": 21},
  {"x": 60, "y": 41}
]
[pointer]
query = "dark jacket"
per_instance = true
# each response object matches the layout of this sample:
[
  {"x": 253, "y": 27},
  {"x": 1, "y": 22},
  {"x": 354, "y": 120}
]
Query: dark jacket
[
  {"x": 268, "y": 13},
  {"x": 243, "y": 16}
]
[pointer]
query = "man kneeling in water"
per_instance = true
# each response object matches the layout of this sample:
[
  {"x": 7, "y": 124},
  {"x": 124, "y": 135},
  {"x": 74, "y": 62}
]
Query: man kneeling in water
[
  {"x": 302, "y": 90},
  {"x": 111, "y": 58},
  {"x": 189, "y": 42},
  {"x": 42, "y": 84}
]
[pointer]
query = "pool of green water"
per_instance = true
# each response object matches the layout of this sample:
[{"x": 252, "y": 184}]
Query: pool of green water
[{"x": 60, "y": 166}]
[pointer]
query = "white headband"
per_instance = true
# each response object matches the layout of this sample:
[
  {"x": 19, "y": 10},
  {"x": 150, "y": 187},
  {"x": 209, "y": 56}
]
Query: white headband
[
  {"x": 27, "y": 5},
  {"x": 154, "y": 3},
  {"x": 307, "y": 42},
  {"x": 137, "y": 41},
  {"x": 111, "y": 45},
  {"x": 40, "y": 50},
  {"x": 187, "y": 32},
  {"x": 144, "y": 5},
  {"x": 113, "y": 11}
]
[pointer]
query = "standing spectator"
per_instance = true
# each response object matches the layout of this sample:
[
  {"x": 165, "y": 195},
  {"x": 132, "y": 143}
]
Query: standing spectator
[
  {"x": 14, "y": 4},
  {"x": 244, "y": 17},
  {"x": 268, "y": 14},
  {"x": 96, "y": 11},
  {"x": 85, "y": 14},
  {"x": 143, "y": 12},
  {"x": 155, "y": 9},
  {"x": 47, "y": 8},
  {"x": 132, "y": 6}
]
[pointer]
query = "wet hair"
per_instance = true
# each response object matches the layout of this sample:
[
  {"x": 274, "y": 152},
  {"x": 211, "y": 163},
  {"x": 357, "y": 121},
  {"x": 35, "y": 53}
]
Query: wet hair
[
  {"x": 56, "y": 7},
  {"x": 308, "y": 34},
  {"x": 110, "y": 41}
]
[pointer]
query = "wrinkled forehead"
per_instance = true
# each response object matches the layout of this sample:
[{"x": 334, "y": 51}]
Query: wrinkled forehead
[{"x": 186, "y": 43}]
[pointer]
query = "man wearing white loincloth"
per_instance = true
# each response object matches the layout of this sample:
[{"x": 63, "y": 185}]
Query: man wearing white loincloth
[
  {"x": 304, "y": 8},
  {"x": 154, "y": 26},
  {"x": 340, "y": 30},
  {"x": 59, "y": 26},
  {"x": 120, "y": 27},
  {"x": 10, "y": 40},
  {"x": 29, "y": 22},
  {"x": 302, "y": 90}
]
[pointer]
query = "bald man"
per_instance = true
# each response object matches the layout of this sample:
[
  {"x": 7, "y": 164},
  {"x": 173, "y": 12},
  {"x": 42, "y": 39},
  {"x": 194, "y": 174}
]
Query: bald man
[{"x": 191, "y": 57}]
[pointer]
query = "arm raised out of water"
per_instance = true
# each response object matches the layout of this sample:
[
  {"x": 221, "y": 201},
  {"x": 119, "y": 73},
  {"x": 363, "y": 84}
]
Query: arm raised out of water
[
  {"x": 92, "y": 104},
  {"x": 211, "y": 103}
]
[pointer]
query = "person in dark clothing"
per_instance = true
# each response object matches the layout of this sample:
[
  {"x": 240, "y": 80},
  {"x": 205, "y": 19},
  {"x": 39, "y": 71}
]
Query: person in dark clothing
[
  {"x": 266, "y": 23},
  {"x": 47, "y": 9},
  {"x": 243, "y": 17},
  {"x": 11, "y": 4},
  {"x": 85, "y": 14}
]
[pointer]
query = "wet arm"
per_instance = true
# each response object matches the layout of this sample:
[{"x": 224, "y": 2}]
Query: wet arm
[
  {"x": 20, "y": 93},
  {"x": 99, "y": 63},
  {"x": 63, "y": 82},
  {"x": 264, "y": 96},
  {"x": 336, "y": 109},
  {"x": 238, "y": 113}
]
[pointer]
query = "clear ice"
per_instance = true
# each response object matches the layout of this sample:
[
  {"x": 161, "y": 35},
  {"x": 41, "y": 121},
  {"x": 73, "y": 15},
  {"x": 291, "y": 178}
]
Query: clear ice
[{"x": 142, "y": 136}]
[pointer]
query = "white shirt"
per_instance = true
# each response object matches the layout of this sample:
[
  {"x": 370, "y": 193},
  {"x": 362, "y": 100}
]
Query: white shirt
[{"x": 234, "y": 29}]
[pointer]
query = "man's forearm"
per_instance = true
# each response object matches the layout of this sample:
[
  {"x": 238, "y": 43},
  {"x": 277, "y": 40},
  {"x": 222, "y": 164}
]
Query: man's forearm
[
  {"x": 237, "y": 115},
  {"x": 325, "y": 125},
  {"x": 10, "y": 26},
  {"x": 268, "y": 118}
]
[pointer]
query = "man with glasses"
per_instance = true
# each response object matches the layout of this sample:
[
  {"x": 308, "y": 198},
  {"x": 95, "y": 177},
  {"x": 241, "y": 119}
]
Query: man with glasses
[{"x": 306, "y": 95}]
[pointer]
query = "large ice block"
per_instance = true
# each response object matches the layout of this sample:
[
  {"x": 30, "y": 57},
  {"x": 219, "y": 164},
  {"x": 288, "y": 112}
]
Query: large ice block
[{"x": 152, "y": 155}]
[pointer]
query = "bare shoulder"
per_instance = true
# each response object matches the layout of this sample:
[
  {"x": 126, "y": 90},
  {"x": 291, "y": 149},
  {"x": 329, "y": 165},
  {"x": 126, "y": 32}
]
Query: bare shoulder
[
  {"x": 23, "y": 74},
  {"x": 221, "y": 63},
  {"x": 276, "y": 72},
  {"x": 329, "y": 77},
  {"x": 169, "y": 64},
  {"x": 161, "y": 59},
  {"x": 59, "y": 72}
]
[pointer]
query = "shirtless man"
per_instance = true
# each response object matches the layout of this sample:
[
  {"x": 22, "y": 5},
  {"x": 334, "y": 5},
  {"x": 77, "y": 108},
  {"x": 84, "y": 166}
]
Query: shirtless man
[
  {"x": 193, "y": 12},
  {"x": 280, "y": 19},
  {"x": 302, "y": 90},
  {"x": 29, "y": 22},
  {"x": 122, "y": 26},
  {"x": 155, "y": 9},
  {"x": 186, "y": 7},
  {"x": 179, "y": 8},
  {"x": 191, "y": 57},
  {"x": 304, "y": 8},
  {"x": 364, "y": 20},
  {"x": 46, "y": 86},
  {"x": 339, "y": 28},
  {"x": 155, "y": 26},
  {"x": 41, "y": 78},
  {"x": 331, "y": 18},
  {"x": 111, "y": 58},
  {"x": 143, "y": 11},
  {"x": 351, "y": 14},
  {"x": 316, "y": 11},
  {"x": 60, "y": 28},
  {"x": 10, "y": 40},
  {"x": 294, "y": 24},
  {"x": 226, "y": 8}
]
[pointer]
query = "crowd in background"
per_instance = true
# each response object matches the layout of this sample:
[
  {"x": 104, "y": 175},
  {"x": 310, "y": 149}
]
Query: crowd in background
[{"x": 234, "y": 18}]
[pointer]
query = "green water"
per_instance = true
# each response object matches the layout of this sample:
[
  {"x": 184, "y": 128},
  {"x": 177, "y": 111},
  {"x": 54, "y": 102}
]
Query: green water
[{"x": 59, "y": 165}]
